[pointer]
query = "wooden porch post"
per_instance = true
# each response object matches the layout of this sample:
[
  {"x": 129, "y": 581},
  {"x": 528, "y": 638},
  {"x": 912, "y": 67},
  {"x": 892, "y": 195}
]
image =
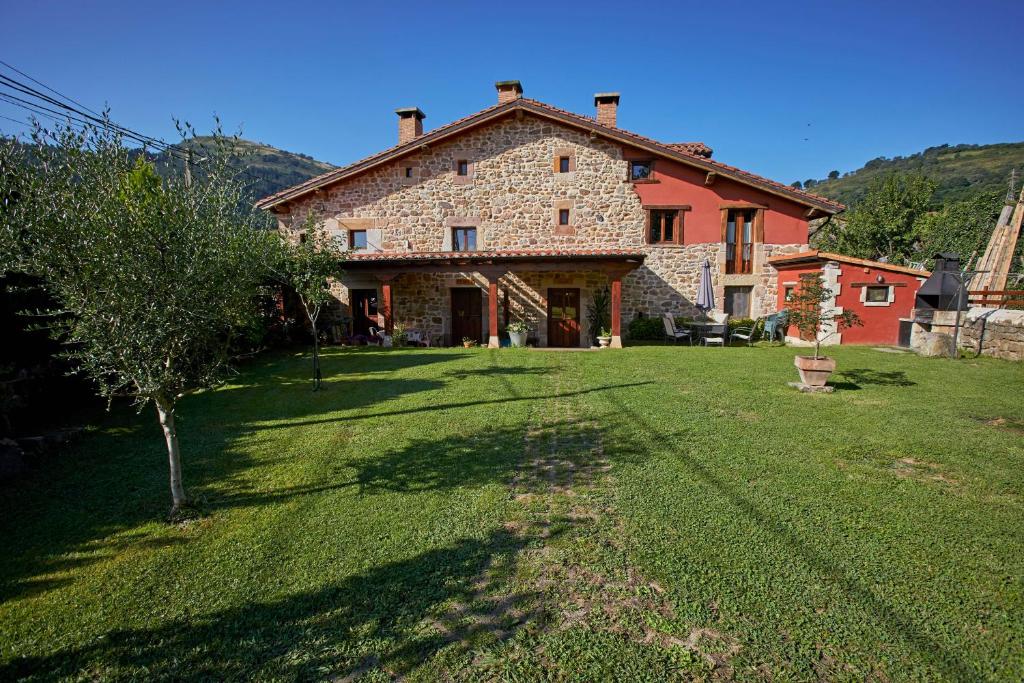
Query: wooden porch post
[
  {"x": 492, "y": 312},
  {"x": 385, "y": 308},
  {"x": 616, "y": 311}
]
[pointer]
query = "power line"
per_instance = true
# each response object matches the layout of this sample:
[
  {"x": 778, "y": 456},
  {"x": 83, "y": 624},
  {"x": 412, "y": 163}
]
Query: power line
[{"x": 84, "y": 118}]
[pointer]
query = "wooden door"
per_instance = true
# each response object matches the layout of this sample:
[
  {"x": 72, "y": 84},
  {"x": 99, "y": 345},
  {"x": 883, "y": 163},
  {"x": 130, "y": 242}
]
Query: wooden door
[
  {"x": 364, "y": 310},
  {"x": 563, "y": 317},
  {"x": 467, "y": 314}
]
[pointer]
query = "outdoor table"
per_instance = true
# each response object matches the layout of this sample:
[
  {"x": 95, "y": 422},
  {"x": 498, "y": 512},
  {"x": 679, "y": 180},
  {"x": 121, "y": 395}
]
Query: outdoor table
[{"x": 699, "y": 330}]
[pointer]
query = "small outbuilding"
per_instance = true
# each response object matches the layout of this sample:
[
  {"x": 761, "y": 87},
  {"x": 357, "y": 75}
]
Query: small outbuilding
[{"x": 881, "y": 294}]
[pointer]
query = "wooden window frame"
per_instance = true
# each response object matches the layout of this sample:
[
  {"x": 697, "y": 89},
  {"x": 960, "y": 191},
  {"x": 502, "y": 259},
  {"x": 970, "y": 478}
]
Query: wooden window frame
[
  {"x": 746, "y": 267},
  {"x": 464, "y": 228},
  {"x": 677, "y": 235},
  {"x": 564, "y": 164}
]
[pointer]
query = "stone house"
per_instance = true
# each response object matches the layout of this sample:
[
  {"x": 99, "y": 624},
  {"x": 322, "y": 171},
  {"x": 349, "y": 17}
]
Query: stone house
[{"x": 524, "y": 211}]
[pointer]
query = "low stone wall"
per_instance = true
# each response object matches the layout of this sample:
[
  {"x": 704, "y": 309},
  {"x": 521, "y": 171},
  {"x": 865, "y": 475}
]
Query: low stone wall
[{"x": 998, "y": 332}]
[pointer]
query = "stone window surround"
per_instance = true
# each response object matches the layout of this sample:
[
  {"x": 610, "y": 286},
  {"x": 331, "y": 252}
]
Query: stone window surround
[
  {"x": 564, "y": 205},
  {"x": 463, "y": 222},
  {"x": 374, "y": 236},
  {"x": 400, "y": 171},
  {"x": 470, "y": 170},
  {"x": 561, "y": 152},
  {"x": 890, "y": 297}
]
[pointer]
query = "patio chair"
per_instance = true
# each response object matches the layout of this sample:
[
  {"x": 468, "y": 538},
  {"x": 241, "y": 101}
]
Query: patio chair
[
  {"x": 775, "y": 325},
  {"x": 717, "y": 332},
  {"x": 747, "y": 332},
  {"x": 671, "y": 333}
]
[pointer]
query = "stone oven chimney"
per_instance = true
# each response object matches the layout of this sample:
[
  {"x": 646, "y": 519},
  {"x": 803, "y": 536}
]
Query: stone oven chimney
[
  {"x": 508, "y": 91},
  {"x": 410, "y": 124},
  {"x": 607, "y": 104}
]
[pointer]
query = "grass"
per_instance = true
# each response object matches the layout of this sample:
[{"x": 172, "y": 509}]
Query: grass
[{"x": 651, "y": 514}]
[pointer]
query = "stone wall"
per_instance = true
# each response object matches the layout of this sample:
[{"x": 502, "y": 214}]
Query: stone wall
[
  {"x": 511, "y": 196},
  {"x": 1000, "y": 331}
]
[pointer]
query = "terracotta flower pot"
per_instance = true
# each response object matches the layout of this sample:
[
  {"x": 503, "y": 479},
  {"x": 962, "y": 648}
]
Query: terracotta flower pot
[
  {"x": 814, "y": 372},
  {"x": 467, "y": 345}
]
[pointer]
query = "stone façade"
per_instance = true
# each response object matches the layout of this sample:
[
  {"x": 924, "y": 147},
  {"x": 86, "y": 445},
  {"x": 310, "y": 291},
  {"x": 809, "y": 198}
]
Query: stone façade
[{"x": 511, "y": 196}]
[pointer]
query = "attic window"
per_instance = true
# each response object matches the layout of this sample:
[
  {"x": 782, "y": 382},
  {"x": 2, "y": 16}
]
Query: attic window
[
  {"x": 563, "y": 164},
  {"x": 563, "y": 216},
  {"x": 408, "y": 171},
  {"x": 641, "y": 170},
  {"x": 462, "y": 167}
]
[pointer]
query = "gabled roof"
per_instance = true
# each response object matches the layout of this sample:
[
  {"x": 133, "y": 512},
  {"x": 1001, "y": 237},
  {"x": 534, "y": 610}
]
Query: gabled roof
[
  {"x": 817, "y": 256},
  {"x": 676, "y": 152}
]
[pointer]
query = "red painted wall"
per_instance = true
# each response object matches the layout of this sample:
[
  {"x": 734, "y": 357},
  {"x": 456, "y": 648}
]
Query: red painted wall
[
  {"x": 784, "y": 221},
  {"x": 881, "y": 323}
]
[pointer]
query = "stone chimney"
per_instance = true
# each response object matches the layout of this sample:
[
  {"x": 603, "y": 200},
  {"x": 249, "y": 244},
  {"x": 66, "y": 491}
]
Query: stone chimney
[
  {"x": 607, "y": 104},
  {"x": 508, "y": 91},
  {"x": 410, "y": 124}
]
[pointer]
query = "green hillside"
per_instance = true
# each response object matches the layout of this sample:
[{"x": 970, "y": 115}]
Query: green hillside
[
  {"x": 267, "y": 169},
  {"x": 961, "y": 171}
]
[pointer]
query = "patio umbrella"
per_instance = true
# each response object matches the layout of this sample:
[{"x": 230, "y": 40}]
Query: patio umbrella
[{"x": 705, "y": 293}]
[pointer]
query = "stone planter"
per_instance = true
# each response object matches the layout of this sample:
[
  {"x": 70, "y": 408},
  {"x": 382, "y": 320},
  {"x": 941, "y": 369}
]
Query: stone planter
[
  {"x": 517, "y": 339},
  {"x": 814, "y": 372},
  {"x": 604, "y": 342}
]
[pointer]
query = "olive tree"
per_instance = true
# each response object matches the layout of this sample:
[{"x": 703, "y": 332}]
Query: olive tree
[
  {"x": 153, "y": 277},
  {"x": 305, "y": 265}
]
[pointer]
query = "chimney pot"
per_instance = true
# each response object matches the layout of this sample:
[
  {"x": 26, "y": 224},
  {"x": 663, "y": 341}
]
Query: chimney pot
[
  {"x": 607, "y": 104},
  {"x": 410, "y": 124},
  {"x": 508, "y": 91}
]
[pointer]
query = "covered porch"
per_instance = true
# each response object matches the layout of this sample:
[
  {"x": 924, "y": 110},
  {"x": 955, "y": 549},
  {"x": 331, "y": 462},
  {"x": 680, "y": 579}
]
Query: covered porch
[{"x": 454, "y": 295}]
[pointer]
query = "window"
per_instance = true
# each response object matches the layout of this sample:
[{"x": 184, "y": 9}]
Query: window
[
  {"x": 664, "y": 226},
  {"x": 357, "y": 240},
  {"x": 737, "y": 301},
  {"x": 877, "y": 295},
  {"x": 462, "y": 167},
  {"x": 563, "y": 164},
  {"x": 787, "y": 293},
  {"x": 739, "y": 241},
  {"x": 563, "y": 216},
  {"x": 463, "y": 239},
  {"x": 640, "y": 170},
  {"x": 408, "y": 171}
]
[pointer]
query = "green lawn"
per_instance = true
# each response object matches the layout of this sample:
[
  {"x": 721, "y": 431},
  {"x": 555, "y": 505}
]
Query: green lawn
[{"x": 654, "y": 513}]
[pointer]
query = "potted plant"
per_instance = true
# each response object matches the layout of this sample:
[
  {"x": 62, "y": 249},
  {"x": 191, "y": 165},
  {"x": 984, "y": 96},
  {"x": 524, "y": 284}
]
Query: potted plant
[
  {"x": 517, "y": 332},
  {"x": 605, "y": 338},
  {"x": 468, "y": 342},
  {"x": 807, "y": 315}
]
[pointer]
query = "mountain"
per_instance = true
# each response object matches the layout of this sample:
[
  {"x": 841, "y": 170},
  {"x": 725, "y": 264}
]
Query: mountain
[
  {"x": 961, "y": 171},
  {"x": 267, "y": 169}
]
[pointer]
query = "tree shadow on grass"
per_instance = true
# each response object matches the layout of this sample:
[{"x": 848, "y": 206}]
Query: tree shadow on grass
[
  {"x": 899, "y": 625},
  {"x": 860, "y": 376},
  {"x": 392, "y": 617}
]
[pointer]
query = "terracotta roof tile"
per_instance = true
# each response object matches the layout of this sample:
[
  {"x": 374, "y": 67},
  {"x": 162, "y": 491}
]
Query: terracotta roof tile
[
  {"x": 818, "y": 255},
  {"x": 698, "y": 148},
  {"x": 364, "y": 256}
]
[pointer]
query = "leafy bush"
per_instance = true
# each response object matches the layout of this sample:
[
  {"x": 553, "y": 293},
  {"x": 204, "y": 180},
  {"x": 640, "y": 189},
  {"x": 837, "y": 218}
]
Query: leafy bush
[
  {"x": 650, "y": 328},
  {"x": 740, "y": 322}
]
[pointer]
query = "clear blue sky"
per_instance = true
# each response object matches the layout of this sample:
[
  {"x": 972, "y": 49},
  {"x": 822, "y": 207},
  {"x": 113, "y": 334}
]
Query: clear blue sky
[{"x": 789, "y": 90}]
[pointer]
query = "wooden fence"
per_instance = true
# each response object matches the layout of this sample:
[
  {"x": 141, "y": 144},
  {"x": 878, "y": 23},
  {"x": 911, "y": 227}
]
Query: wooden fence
[{"x": 997, "y": 298}]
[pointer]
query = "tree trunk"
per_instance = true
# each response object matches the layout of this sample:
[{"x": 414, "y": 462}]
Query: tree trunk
[
  {"x": 317, "y": 378},
  {"x": 165, "y": 410}
]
